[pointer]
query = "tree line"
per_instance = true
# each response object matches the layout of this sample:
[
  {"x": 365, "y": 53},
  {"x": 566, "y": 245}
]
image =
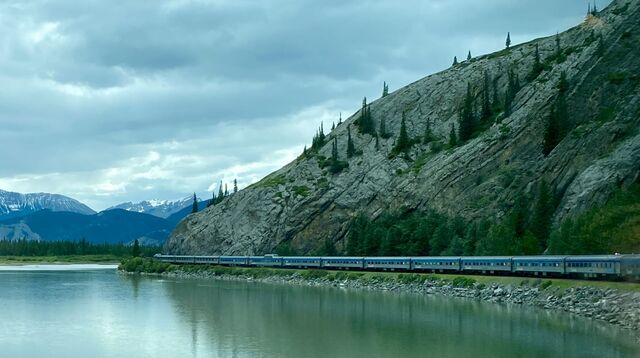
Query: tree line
[{"x": 25, "y": 247}]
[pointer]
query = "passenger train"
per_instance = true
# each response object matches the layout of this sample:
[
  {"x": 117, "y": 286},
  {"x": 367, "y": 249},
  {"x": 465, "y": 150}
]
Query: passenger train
[{"x": 603, "y": 266}]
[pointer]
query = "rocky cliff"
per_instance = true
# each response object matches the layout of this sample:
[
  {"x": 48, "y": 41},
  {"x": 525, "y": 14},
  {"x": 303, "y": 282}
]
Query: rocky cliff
[{"x": 303, "y": 204}]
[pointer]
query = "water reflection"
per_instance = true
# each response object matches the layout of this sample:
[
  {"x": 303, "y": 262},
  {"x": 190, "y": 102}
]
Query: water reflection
[{"x": 246, "y": 319}]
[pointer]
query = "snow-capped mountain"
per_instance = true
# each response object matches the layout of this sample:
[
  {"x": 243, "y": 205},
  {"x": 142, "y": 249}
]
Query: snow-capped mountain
[
  {"x": 160, "y": 208},
  {"x": 16, "y": 204}
]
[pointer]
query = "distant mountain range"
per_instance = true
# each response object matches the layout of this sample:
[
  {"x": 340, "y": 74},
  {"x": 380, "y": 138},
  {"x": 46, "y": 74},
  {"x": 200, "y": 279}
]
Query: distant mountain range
[
  {"x": 16, "y": 204},
  {"x": 110, "y": 226},
  {"x": 160, "y": 208},
  {"x": 53, "y": 217}
]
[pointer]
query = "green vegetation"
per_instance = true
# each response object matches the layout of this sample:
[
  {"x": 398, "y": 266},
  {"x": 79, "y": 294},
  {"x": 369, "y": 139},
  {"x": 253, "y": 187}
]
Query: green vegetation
[
  {"x": 272, "y": 181},
  {"x": 614, "y": 227},
  {"x": 64, "y": 259},
  {"x": 385, "y": 89},
  {"x": 616, "y": 77},
  {"x": 365, "y": 121},
  {"x": 139, "y": 264},
  {"x": 403, "y": 143},
  {"x": 32, "y": 248},
  {"x": 351, "y": 149},
  {"x": 194, "y": 207},
  {"x": 558, "y": 122},
  {"x": 301, "y": 190},
  {"x": 508, "y": 41}
]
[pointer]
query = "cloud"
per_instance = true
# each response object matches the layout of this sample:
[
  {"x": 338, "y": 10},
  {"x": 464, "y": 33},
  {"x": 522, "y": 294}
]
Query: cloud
[{"x": 131, "y": 100}]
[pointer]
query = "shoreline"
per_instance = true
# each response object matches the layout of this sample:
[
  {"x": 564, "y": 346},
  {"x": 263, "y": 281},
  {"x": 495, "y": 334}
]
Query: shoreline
[
  {"x": 59, "y": 260},
  {"x": 609, "y": 303}
]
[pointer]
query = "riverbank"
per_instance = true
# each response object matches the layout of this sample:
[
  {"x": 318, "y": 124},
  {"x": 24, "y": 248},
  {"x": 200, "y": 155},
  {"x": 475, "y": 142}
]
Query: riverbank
[
  {"x": 59, "y": 260},
  {"x": 617, "y": 303}
]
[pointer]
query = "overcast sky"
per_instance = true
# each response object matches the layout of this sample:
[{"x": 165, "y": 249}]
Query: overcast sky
[{"x": 112, "y": 101}]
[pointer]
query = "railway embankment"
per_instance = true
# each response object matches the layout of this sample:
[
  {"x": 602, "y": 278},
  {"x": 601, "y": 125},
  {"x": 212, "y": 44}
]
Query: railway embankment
[{"x": 616, "y": 303}]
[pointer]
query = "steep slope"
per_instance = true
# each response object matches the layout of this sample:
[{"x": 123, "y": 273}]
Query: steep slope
[
  {"x": 177, "y": 216},
  {"x": 112, "y": 226},
  {"x": 16, "y": 204},
  {"x": 160, "y": 208},
  {"x": 303, "y": 205}
]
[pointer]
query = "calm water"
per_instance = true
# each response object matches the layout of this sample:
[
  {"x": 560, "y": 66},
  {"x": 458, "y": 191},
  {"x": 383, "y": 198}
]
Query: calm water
[{"x": 98, "y": 313}]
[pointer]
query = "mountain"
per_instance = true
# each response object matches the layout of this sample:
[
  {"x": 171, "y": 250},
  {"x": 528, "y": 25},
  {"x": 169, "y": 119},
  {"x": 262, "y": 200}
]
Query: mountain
[
  {"x": 177, "y": 216},
  {"x": 16, "y": 204},
  {"x": 160, "y": 208},
  {"x": 569, "y": 121},
  {"x": 111, "y": 226}
]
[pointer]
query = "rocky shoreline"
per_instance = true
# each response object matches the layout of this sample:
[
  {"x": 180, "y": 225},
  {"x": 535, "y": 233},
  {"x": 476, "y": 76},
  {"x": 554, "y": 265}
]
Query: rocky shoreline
[{"x": 617, "y": 307}]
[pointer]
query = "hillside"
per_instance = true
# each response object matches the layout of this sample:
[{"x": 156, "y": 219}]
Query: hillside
[
  {"x": 587, "y": 76},
  {"x": 17, "y": 204},
  {"x": 160, "y": 208}
]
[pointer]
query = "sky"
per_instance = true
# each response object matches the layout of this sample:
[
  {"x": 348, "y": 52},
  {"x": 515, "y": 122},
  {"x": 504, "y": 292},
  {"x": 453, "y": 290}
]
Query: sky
[{"x": 115, "y": 101}]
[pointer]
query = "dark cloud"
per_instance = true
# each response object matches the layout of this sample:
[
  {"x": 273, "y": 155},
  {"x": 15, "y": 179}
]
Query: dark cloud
[{"x": 129, "y": 100}]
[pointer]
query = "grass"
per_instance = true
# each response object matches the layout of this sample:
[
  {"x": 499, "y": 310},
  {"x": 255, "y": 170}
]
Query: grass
[
  {"x": 67, "y": 259},
  {"x": 271, "y": 181}
]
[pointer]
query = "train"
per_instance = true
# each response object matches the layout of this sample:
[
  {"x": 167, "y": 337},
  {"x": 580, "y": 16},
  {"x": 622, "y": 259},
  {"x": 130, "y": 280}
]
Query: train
[{"x": 589, "y": 266}]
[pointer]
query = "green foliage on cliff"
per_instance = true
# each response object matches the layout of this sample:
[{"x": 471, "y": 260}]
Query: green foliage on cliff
[{"x": 614, "y": 227}]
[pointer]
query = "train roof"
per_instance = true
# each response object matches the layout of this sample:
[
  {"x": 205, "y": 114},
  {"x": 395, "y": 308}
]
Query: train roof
[
  {"x": 486, "y": 257},
  {"x": 593, "y": 257},
  {"x": 342, "y": 257},
  {"x": 436, "y": 257},
  {"x": 387, "y": 258},
  {"x": 539, "y": 258}
]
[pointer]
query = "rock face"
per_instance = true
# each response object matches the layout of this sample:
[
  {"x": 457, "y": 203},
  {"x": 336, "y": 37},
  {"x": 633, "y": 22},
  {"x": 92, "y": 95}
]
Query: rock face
[{"x": 303, "y": 205}]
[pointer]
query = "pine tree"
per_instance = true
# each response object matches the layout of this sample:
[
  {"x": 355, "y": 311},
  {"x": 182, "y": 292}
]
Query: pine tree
[
  {"x": 340, "y": 119},
  {"x": 466, "y": 124},
  {"x": 487, "y": 110},
  {"x": 551, "y": 133},
  {"x": 455, "y": 60},
  {"x": 333, "y": 126},
  {"x": 542, "y": 214},
  {"x": 385, "y": 89},
  {"x": 220, "y": 193},
  {"x": 508, "y": 42},
  {"x": 495, "y": 103},
  {"x": 558, "y": 122},
  {"x": 365, "y": 121},
  {"x": 537, "y": 65},
  {"x": 469, "y": 56},
  {"x": 559, "y": 55},
  {"x": 212, "y": 201},
  {"x": 403, "y": 143},
  {"x": 226, "y": 191},
  {"x": 428, "y": 134},
  {"x": 351, "y": 150},
  {"x": 235, "y": 186},
  {"x": 383, "y": 129},
  {"x": 135, "y": 251},
  {"x": 194, "y": 207},
  {"x": 594, "y": 12},
  {"x": 453, "y": 139}
]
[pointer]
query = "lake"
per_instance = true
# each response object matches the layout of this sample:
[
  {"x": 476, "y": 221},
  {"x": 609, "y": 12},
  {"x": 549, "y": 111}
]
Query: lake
[{"x": 79, "y": 311}]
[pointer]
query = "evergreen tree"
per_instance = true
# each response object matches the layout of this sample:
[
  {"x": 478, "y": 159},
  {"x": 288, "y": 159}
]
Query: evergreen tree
[
  {"x": 403, "y": 143},
  {"x": 212, "y": 201},
  {"x": 333, "y": 126},
  {"x": 235, "y": 186},
  {"x": 365, "y": 121},
  {"x": 335, "y": 165},
  {"x": 600, "y": 49},
  {"x": 351, "y": 150},
  {"x": 428, "y": 134},
  {"x": 537, "y": 65},
  {"x": 455, "y": 60},
  {"x": 453, "y": 138},
  {"x": 559, "y": 55},
  {"x": 496, "y": 99},
  {"x": 220, "y": 193},
  {"x": 385, "y": 89},
  {"x": 194, "y": 207},
  {"x": 542, "y": 213},
  {"x": 383, "y": 129},
  {"x": 508, "y": 42},
  {"x": 594, "y": 11},
  {"x": 469, "y": 56},
  {"x": 513, "y": 86},
  {"x": 487, "y": 110},
  {"x": 551, "y": 132},
  {"x": 135, "y": 251},
  {"x": 467, "y": 121},
  {"x": 340, "y": 119},
  {"x": 377, "y": 145},
  {"x": 226, "y": 191}
]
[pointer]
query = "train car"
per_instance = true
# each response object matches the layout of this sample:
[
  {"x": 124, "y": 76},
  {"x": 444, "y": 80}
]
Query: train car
[
  {"x": 387, "y": 263},
  {"x": 593, "y": 265},
  {"x": 630, "y": 266},
  {"x": 539, "y": 265},
  {"x": 207, "y": 260},
  {"x": 234, "y": 260},
  {"x": 486, "y": 264},
  {"x": 301, "y": 261},
  {"x": 436, "y": 264},
  {"x": 337, "y": 262},
  {"x": 266, "y": 260}
]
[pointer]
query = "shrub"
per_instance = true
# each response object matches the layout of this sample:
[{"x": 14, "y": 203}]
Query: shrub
[
  {"x": 314, "y": 274},
  {"x": 545, "y": 284},
  {"x": 462, "y": 281}
]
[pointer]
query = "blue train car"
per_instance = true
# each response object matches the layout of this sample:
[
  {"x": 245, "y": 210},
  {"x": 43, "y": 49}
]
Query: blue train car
[
  {"x": 178, "y": 259},
  {"x": 387, "y": 263},
  {"x": 343, "y": 262},
  {"x": 630, "y": 266},
  {"x": 436, "y": 264},
  {"x": 486, "y": 264},
  {"x": 539, "y": 265},
  {"x": 593, "y": 265},
  {"x": 301, "y": 261},
  {"x": 234, "y": 260},
  {"x": 266, "y": 260},
  {"x": 209, "y": 260}
]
